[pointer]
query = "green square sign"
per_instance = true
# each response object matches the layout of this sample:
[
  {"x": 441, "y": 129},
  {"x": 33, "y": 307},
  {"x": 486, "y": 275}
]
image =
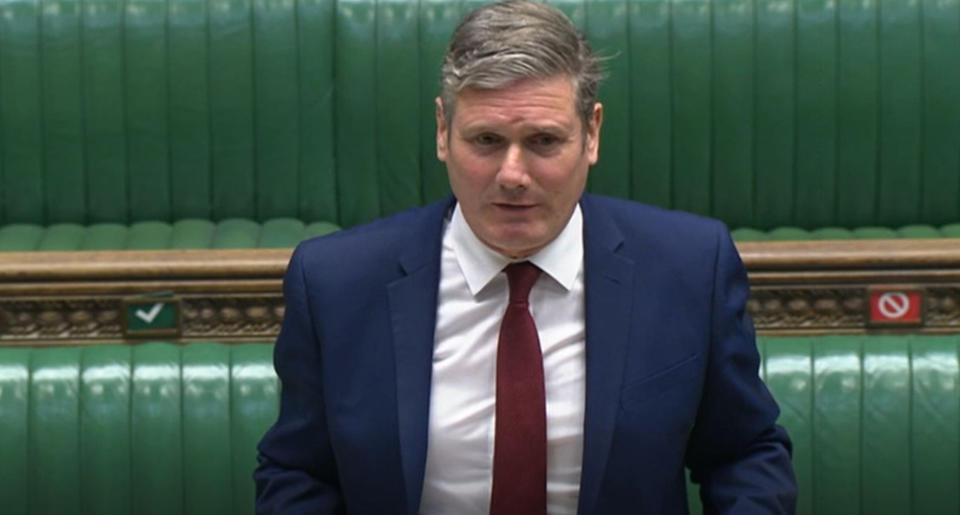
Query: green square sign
[{"x": 144, "y": 316}]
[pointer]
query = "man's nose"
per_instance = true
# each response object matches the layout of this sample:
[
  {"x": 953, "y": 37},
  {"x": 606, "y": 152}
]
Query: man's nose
[{"x": 513, "y": 172}]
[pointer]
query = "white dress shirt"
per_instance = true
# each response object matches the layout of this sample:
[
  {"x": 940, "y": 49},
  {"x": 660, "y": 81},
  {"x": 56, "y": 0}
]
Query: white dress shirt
[{"x": 472, "y": 298}]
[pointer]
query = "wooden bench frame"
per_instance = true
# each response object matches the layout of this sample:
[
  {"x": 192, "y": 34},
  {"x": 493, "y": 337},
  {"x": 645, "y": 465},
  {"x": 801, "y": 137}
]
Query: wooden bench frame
[{"x": 800, "y": 287}]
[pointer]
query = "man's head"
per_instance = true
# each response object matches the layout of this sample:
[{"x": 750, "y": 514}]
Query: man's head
[
  {"x": 518, "y": 124},
  {"x": 499, "y": 44}
]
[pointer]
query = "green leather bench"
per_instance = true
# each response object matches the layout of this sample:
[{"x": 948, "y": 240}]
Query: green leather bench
[
  {"x": 184, "y": 234},
  {"x": 166, "y": 429},
  {"x": 818, "y": 117}
]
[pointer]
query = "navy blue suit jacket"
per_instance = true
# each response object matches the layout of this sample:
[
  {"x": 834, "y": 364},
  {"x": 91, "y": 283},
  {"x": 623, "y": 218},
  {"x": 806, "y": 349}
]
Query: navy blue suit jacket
[{"x": 671, "y": 370}]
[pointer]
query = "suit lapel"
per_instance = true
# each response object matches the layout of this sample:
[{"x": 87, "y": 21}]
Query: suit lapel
[
  {"x": 609, "y": 279},
  {"x": 609, "y": 288},
  {"x": 413, "y": 310}
]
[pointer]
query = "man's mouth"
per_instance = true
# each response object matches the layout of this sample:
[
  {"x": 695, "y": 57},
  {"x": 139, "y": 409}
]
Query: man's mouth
[{"x": 513, "y": 207}]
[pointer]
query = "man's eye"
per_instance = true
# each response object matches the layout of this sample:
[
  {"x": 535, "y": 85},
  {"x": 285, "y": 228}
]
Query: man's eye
[
  {"x": 545, "y": 140},
  {"x": 486, "y": 140}
]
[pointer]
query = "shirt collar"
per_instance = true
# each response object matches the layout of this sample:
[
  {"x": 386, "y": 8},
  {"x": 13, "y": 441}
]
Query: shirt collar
[{"x": 561, "y": 259}]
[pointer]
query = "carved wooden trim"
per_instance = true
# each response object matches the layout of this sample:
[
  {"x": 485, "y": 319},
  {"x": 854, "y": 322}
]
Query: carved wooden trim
[
  {"x": 943, "y": 307},
  {"x": 808, "y": 287},
  {"x": 224, "y": 317},
  {"x": 807, "y": 308},
  {"x": 235, "y": 316},
  {"x": 37, "y": 319}
]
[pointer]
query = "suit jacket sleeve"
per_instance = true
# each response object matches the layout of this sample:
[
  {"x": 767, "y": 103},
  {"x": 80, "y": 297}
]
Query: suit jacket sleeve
[
  {"x": 737, "y": 453},
  {"x": 297, "y": 471}
]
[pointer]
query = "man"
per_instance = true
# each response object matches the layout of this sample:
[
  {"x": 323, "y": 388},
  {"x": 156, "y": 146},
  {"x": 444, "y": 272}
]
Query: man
[{"x": 523, "y": 348}]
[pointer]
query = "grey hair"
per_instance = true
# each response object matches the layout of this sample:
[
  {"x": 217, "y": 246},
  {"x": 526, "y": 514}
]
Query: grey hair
[{"x": 502, "y": 43}]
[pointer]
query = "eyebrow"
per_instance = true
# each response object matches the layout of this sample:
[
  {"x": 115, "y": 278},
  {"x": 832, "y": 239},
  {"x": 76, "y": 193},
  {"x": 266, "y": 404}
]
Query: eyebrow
[
  {"x": 550, "y": 128},
  {"x": 555, "y": 129}
]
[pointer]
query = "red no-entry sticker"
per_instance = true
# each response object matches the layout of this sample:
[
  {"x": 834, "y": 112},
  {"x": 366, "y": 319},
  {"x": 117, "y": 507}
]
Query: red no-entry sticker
[{"x": 896, "y": 307}]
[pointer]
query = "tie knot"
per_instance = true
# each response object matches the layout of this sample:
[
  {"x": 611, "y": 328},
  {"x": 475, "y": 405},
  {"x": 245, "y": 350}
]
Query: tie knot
[{"x": 521, "y": 277}]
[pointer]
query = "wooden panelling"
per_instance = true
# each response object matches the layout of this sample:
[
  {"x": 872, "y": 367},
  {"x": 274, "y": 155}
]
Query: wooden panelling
[{"x": 807, "y": 287}]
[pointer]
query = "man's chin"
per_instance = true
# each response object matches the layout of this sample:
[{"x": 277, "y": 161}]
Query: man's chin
[{"x": 516, "y": 245}]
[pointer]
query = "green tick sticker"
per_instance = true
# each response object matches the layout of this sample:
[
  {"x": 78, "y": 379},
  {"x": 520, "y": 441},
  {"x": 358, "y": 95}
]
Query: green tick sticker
[{"x": 145, "y": 316}]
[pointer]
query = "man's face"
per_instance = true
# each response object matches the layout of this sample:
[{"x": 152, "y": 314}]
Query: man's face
[{"x": 517, "y": 160}]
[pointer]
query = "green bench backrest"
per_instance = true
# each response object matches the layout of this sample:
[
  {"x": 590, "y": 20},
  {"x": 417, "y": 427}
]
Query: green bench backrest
[
  {"x": 763, "y": 113},
  {"x": 875, "y": 421},
  {"x": 165, "y": 429},
  {"x": 150, "y": 429}
]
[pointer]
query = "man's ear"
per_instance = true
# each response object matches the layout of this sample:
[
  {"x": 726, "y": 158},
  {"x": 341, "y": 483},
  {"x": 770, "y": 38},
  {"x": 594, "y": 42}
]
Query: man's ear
[
  {"x": 593, "y": 133},
  {"x": 442, "y": 136}
]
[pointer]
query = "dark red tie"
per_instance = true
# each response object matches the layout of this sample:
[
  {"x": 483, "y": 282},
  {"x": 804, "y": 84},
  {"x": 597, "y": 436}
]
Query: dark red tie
[{"x": 520, "y": 447}]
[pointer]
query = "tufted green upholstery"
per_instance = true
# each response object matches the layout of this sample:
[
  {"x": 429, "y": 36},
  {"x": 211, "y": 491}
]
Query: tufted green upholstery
[
  {"x": 168, "y": 429},
  {"x": 287, "y": 232},
  {"x": 184, "y": 234},
  {"x": 913, "y": 231},
  {"x": 154, "y": 428},
  {"x": 874, "y": 419},
  {"x": 763, "y": 113}
]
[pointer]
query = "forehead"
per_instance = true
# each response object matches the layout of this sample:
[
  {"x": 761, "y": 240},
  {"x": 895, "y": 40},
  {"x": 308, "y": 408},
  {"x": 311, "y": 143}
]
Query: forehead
[{"x": 537, "y": 101}]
